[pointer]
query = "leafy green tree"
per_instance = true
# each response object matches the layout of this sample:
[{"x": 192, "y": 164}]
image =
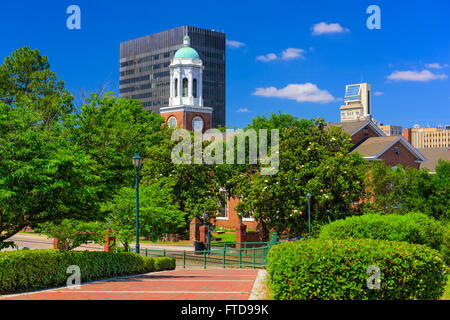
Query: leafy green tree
[
  {"x": 73, "y": 233},
  {"x": 26, "y": 78},
  {"x": 312, "y": 159},
  {"x": 110, "y": 130},
  {"x": 158, "y": 211},
  {"x": 195, "y": 186},
  {"x": 402, "y": 190},
  {"x": 42, "y": 178}
]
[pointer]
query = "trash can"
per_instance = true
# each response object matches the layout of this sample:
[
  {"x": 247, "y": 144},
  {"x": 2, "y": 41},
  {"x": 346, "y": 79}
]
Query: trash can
[{"x": 198, "y": 246}]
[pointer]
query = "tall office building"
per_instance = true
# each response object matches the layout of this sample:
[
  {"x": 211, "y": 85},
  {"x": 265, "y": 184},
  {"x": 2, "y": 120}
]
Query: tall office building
[
  {"x": 145, "y": 72},
  {"x": 357, "y": 102}
]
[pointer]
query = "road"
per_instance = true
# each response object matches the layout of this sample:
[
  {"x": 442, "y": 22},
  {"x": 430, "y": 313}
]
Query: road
[{"x": 36, "y": 241}]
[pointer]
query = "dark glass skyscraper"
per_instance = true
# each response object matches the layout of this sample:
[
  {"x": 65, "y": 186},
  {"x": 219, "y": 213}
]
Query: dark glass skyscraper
[{"x": 145, "y": 75}]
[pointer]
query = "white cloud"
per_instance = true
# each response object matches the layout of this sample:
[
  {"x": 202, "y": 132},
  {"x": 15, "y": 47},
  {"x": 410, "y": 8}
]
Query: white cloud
[
  {"x": 422, "y": 76},
  {"x": 378, "y": 93},
  {"x": 306, "y": 92},
  {"x": 324, "y": 28},
  {"x": 292, "y": 53},
  {"x": 243, "y": 110},
  {"x": 234, "y": 43},
  {"x": 268, "y": 57},
  {"x": 435, "y": 65}
]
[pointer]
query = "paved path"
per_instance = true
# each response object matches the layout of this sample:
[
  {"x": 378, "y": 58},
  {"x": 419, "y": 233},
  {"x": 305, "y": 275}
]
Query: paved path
[
  {"x": 36, "y": 241},
  {"x": 179, "y": 284}
]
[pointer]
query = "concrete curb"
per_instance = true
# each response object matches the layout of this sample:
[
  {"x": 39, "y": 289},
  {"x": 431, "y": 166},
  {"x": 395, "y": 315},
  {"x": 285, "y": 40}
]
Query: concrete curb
[{"x": 259, "y": 290}]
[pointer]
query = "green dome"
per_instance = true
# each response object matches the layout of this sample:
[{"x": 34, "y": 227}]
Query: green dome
[{"x": 186, "y": 52}]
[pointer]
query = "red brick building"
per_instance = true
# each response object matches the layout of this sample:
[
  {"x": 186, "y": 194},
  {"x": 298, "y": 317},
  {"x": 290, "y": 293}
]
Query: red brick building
[{"x": 370, "y": 142}]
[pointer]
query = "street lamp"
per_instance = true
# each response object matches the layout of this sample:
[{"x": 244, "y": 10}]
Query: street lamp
[
  {"x": 205, "y": 216},
  {"x": 137, "y": 163},
  {"x": 309, "y": 195}
]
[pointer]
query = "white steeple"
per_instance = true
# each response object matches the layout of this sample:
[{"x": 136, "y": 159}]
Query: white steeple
[{"x": 186, "y": 73}]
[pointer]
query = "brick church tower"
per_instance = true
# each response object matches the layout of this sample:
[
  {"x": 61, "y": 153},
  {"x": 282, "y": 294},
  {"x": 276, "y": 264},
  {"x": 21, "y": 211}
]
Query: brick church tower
[{"x": 186, "y": 108}]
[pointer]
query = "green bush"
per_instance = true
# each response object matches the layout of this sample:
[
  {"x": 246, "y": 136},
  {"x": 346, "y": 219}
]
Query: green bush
[
  {"x": 415, "y": 228},
  {"x": 164, "y": 263},
  {"x": 37, "y": 269},
  {"x": 337, "y": 269}
]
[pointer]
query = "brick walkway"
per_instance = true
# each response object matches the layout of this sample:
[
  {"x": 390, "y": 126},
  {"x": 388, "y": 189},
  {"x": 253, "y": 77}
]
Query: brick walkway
[{"x": 179, "y": 284}]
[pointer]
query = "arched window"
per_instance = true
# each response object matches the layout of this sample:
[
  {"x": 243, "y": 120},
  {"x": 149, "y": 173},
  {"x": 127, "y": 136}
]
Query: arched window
[
  {"x": 197, "y": 123},
  {"x": 176, "y": 87},
  {"x": 172, "y": 122},
  {"x": 194, "y": 88},
  {"x": 185, "y": 87}
]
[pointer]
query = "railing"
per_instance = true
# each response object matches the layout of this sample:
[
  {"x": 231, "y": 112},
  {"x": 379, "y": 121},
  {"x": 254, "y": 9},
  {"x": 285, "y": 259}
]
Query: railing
[{"x": 230, "y": 254}]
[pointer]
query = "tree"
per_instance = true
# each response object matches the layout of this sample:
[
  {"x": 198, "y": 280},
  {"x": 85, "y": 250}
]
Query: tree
[
  {"x": 110, "y": 130},
  {"x": 42, "y": 178},
  {"x": 74, "y": 233},
  {"x": 312, "y": 159},
  {"x": 26, "y": 78},
  {"x": 158, "y": 212},
  {"x": 195, "y": 186},
  {"x": 402, "y": 190}
]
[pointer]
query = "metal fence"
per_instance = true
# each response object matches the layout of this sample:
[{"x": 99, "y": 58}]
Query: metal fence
[{"x": 230, "y": 254}]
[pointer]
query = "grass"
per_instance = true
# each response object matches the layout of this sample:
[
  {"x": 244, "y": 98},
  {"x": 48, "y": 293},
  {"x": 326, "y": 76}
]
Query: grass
[{"x": 226, "y": 237}]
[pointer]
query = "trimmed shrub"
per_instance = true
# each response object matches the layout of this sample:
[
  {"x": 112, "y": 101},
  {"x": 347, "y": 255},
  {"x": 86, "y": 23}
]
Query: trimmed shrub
[
  {"x": 337, "y": 269},
  {"x": 412, "y": 227},
  {"x": 164, "y": 263},
  {"x": 149, "y": 264},
  {"x": 24, "y": 270}
]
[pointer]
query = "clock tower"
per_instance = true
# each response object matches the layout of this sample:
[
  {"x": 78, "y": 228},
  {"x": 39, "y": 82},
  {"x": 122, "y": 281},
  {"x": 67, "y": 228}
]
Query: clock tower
[{"x": 186, "y": 108}]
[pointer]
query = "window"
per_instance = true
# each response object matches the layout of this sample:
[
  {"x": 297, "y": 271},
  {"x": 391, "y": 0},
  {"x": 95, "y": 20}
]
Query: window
[
  {"x": 197, "y": 123},
  {"x": 185, "y": 87},
  {"x": 366, "y": 131},
  {"x": 172, "y": 122},
  {"x": 397, "y": 150},
  {"x": 176, "y": 87},
  {"x": 194, "y": 88},
  {"x": 223, "y": 199}
]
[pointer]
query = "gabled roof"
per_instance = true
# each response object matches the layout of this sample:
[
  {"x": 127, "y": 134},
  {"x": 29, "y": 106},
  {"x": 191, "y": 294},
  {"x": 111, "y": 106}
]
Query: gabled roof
[
  {"x": 374, "y": 147},
  {"x": 353, "y": 127},
  {"x": 433, "y": 155}
]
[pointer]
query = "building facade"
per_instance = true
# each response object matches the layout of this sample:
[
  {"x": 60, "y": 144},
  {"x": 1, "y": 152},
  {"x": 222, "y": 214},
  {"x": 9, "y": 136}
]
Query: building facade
[
  {"x": 391, "y": 130},
  {"x": 357, "y": 102},
  {"x": 437, "y": 137},
  {"x": 145, "y": 68},
  {"x": 186, "y": 109}
]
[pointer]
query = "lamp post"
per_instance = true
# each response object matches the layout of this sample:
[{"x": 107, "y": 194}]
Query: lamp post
[
  {"x": 137, "y": 163},
  {"x": 309, "y": 195},
  {"x": 205, "y": 216}
]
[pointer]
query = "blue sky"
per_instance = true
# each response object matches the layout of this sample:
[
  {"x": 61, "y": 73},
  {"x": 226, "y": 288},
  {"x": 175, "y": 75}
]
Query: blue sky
[{"x": 293, "y": 56}]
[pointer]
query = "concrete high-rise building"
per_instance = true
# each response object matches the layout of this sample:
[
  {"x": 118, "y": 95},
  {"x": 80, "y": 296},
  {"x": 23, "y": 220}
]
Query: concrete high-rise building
[
  {"x": 145, "y": 72},
  {"x": 357, "y": 102}
]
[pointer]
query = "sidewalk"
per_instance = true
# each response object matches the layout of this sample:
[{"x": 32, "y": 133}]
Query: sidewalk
[{"x": 36, "y": 241}]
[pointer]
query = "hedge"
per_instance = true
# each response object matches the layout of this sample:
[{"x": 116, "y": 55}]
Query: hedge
[
  {"x": 25, "y": 270},
  {"x": 164, "y": 263},
  {"x": 337, "y": 269},
  {"x": 415, "y": 228}
]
